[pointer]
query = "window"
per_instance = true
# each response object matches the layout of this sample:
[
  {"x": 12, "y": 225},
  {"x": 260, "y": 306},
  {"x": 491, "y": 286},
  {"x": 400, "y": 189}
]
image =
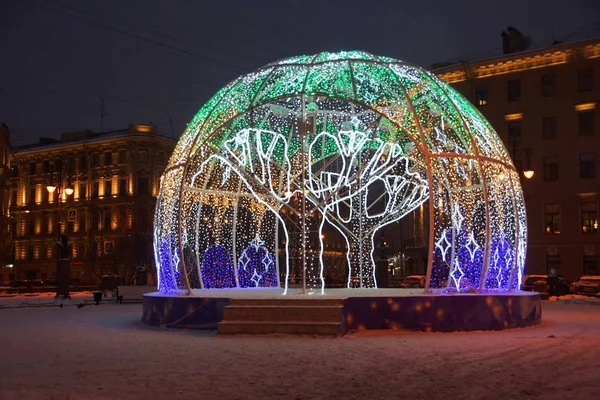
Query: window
[
  {"x": 95, "y": 160},
  {"x": 83, "y": 163},
  {"x": 96, "y": 189},
  {"x": 95, "y": 221},
  {"x": 585, "y": 79},
  {"x": 548, "y": 85},
  {"x": 142, "y": 183},
  {"x": 83, "y": 190},
  {"x": 143, "y": 219},
  {"x": 108, "y": 187},
  {"x": 71, "y": 226},
  {"x": 590, "y": 265},
  {"x": 143, "y": 155},
  {"x": 587, "y": 165},
  {"x": 123, "y": 187},
  {"x": 107, "y": 219},
  {"x": 513, "y": 90},
  {"x": 32, "y": 168},
  {"x": 552, "y": 218},
  {"x": 550, "y": 169},
  {"x": 549, "y": 128},
  {"x": 32, "y": 195},
  {"x": 589, "y": 217},
  {"x": 161, "y": 157},
  {"x": 514, "y": 131},
  {"x": 71, "y": 164},
  {"x": 45, "y": 167},
  {"x": 552, "y": 265},
  {"x": 481, "y": 96},
  {"x": 108, "y": 158},
  {"x": 586, "y": 123},
  {"x": 122, "y": 156},
  {"x": 14, "y": 171},
  {"x": 81, "y": 223}
]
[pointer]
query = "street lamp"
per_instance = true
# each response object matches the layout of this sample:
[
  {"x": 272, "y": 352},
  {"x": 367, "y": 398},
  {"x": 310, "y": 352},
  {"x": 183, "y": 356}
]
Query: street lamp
[
  {"x": 63, "y": 260},
  {"x": 528, "y": 173}
]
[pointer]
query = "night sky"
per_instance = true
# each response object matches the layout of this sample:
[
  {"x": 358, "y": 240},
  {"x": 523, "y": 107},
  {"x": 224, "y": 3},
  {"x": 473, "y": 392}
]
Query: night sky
[{"x": 160, "y": 61}]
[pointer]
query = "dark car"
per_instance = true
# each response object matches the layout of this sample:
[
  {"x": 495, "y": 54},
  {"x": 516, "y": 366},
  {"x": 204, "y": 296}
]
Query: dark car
[
  {"x": 413, "y": 281},
  {"x": 557, "y": 286},
  {"x": 530, "y": 280}
]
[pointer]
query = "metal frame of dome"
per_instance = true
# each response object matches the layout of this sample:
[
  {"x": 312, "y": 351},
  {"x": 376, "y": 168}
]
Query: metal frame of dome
[{"x": 383, "y": 111}]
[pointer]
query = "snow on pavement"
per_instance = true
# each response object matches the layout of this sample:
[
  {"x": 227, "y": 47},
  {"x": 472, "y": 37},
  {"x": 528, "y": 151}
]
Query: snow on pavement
[{"x": 104, "y": 352}]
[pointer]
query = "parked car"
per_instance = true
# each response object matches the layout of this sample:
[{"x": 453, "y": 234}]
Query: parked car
[
  {"x": 557, "y": 286},
  {"x": 529, "y": 280},
  {"x": 587, "y": 285},
  {"x": 413, "y": 281}
]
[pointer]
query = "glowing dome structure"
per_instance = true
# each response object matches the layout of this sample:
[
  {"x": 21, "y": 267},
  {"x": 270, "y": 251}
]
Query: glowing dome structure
[{"x": 348, "y": 139}]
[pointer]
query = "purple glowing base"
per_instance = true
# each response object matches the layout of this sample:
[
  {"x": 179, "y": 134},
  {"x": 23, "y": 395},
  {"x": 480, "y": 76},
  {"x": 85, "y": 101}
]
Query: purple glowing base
[{"x": 363, "y": 309}]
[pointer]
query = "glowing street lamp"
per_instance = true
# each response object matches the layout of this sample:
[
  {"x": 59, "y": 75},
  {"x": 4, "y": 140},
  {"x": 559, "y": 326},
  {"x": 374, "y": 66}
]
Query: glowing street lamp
[
  {"x": 528, "y": 173},
  {"x": 51, "y": 188}
]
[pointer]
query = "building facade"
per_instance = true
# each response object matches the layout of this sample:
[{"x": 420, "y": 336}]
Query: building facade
[
  {"x": 544, "y": 104},
  {"x": 105, "y": 188},
  {"x": 4, "y": 180}
]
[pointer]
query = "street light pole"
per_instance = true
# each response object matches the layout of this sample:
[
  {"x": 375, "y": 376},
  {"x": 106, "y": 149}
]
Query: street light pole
[
  {"x": 527, "y": 172},
  {"x": 63, "y": 261}
]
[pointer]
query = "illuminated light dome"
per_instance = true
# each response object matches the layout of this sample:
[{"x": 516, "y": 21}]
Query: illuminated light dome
[{"x": 348, "y": 139}]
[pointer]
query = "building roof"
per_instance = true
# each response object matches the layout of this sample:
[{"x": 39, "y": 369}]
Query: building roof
[
  {"x": 520, "y": 61},
  {"x": 87, "y": 136}
]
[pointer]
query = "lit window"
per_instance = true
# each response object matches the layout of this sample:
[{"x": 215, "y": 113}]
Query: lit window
[
  {"x": 552, "y": 218},
  {"x": 589, "y": 217},
  {"x": 481, "y": 96}
]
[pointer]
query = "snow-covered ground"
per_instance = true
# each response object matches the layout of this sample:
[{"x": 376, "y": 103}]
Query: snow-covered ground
[{"x": 104, "y": 352}]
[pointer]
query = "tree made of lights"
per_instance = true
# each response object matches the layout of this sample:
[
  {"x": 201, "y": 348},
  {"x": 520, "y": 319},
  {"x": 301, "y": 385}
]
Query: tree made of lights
[{"x": 349, "y": 139}]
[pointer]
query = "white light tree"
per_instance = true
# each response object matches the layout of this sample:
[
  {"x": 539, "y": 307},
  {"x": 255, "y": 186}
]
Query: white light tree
[
  {"x": 372, "y": 185},
  {"x": 259, "y": 159}
]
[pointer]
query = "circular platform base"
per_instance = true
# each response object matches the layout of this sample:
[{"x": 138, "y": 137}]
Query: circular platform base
[{"x": 361, "y": 309}]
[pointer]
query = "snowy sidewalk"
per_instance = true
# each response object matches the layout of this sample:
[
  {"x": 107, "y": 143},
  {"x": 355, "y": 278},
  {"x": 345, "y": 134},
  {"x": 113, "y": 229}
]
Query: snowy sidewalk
[
  {"x": 105, "y": 352},
  {"x": 576, "y": 299},
  {"x": 47, "y": 300}
]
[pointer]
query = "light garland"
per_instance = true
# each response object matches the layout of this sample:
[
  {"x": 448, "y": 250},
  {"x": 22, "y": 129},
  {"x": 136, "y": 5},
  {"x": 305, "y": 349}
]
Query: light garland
[{"x": 344, "y": 139}]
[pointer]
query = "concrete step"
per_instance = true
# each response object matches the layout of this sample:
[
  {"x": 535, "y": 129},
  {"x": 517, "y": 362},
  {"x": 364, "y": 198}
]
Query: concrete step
[
  {"x": 286, "y": 327},
  {"x": 282, "y": 313},
  {"x": 288, "y": 301}
]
